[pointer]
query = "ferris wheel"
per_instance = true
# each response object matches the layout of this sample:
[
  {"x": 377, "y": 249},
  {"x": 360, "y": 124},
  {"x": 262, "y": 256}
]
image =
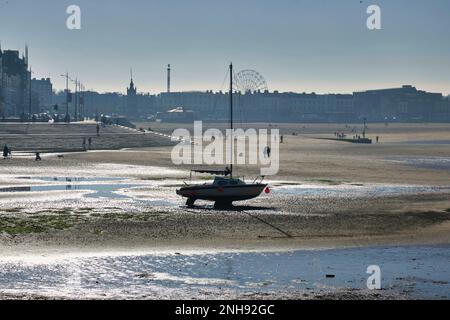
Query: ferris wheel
[{"x": 249, "y": 81}]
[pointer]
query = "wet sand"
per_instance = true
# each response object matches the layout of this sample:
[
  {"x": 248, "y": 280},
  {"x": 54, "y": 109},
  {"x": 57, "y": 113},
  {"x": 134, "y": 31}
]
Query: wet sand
[
  {"x": 337, "y": 198},
  {"x": 408, "y": 272},
  {"x": 277, "y": 220}
]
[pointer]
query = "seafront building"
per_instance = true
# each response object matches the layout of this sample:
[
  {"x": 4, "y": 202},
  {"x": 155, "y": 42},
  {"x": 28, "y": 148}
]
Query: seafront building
[
  {"x": 405, "y": 103},
  {"x": 42, "y": 95},
  {"x": 402, "y": 104},
  {"x": 14, "y": 83}
]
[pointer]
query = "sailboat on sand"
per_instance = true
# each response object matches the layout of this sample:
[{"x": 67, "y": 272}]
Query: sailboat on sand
[{"x": 225, "y": 189}]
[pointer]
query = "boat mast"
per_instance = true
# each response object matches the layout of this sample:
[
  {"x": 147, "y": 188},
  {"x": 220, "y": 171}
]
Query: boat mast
[{"x": 231, "y": 118}]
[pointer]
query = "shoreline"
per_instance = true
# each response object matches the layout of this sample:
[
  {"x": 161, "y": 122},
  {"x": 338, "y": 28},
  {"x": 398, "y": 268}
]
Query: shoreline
[
  {"x": 89, "y": 241},
  {"x": 54, "y": 254}
]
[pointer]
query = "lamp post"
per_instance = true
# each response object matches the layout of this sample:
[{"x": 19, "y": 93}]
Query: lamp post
[
  {"x": 77, "y": 98},
  {"x": 75, "y": 109},
  {"x": 30, "y": 117},
  {"x": 67, "y": 119},
  {"x": 29, "y": 106},
  {"x": 81, "y": 100}
]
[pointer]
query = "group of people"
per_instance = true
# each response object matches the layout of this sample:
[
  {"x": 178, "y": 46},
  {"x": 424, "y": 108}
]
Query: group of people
[
  {"x": 8, "y": 154},
  {"x": 355, "y": 137},
  {"x": 87, "y": 146}
]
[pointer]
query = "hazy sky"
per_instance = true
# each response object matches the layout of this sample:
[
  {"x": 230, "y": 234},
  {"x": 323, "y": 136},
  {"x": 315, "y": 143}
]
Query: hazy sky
[{"x": 297, "y": 45}]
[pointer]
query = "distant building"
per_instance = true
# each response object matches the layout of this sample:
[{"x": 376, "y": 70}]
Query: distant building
[
  {"x": 263, "y": 106},
  {"x": 398, "y": 104},
  {"x": 138, "y": 105},
  {"x": 43, "y": 89},
  {"x": 131, "y": 105},
  {"x": 295, "y": 107},
  {"x": 402, "y": 104},
  {"x": 207, "y": 105},
  {"x": 14, "y": 83},
  {"x": 95, "y": 104},
  {"x": 177, "y": 115}
]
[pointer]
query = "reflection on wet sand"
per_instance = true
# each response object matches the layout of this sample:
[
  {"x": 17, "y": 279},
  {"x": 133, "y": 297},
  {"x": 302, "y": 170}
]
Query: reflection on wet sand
[{"x": 407, "y": 272}]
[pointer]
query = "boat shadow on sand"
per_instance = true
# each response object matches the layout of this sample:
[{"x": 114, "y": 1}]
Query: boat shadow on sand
[
  {"x": 235, "y": 208},
  {"x": 248, "y": 210}
]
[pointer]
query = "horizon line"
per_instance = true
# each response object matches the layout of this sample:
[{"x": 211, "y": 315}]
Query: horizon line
[{"x": 56, "y": 91}]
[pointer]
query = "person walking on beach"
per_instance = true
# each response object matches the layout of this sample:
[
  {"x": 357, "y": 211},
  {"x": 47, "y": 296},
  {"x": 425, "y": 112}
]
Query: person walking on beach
[
  {"x": 38, "y": 157},
  {"x": 6, "y": 152},
  {"x": 265, "y": 152}
]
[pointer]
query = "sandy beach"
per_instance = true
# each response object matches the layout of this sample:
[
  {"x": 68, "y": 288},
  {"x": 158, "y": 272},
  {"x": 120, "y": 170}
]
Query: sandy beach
[
  {"x": 303, "y": 220},
  {"x": 327, "y": 194}
]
